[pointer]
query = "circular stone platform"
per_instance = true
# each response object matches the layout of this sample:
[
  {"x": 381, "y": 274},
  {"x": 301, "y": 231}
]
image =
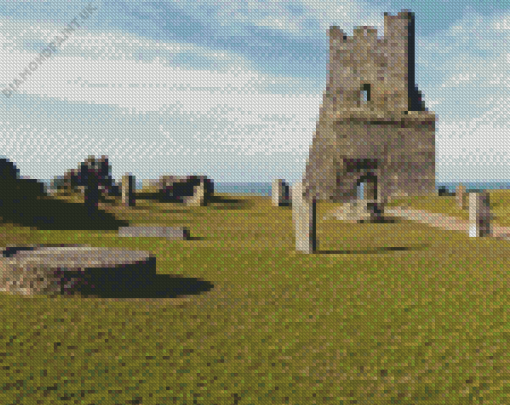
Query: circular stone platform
[{"x": 67, "y": 269}]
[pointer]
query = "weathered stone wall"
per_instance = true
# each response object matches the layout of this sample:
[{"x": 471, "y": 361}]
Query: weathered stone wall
[
  {"x": 179, "y": 187},
  {"x": 388, "y": 133},
  {"x": 76, "y": 179},
  {"x": 15, "y": 189}
]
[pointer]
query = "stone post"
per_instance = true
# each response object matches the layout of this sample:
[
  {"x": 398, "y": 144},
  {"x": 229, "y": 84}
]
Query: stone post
[
  {"x": 280, "y": 193},
  {"x": 304, "y": 220},
  {"x": 479, "y": 214},
  {"x": 461, "y": 196},
  {"x": 128, "y": 185}
]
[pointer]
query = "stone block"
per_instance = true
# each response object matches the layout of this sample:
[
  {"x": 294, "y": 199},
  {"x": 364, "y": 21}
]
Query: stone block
[
  {"x": 198, "y": 199},
  {"x": 280, "y": 193},
  {"x": 304, "y": 220},
  {"x": 479, "y": 214},
  {"x": 171, "y": 233},
  {"x": 128, "y": 192}
]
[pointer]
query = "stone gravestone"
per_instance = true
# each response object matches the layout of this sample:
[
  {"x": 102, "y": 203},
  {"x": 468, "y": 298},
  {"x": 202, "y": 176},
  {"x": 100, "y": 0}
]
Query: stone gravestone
[
  {"x": 280, "y": 193},
  {"x": 479, "y": 214},
  {"x": 304, "y": 220},
  {"x": 461, "y": 196},
  {"x": 128, "y": 196}
]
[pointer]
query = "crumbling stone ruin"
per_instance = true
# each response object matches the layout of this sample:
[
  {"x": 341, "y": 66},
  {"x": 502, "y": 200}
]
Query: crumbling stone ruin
[
  {"x": 373, "y": 126},
  {"x": 76, "y": 179},
  {"x": 16, "y": 189},
  {"x": 180, "y": 189}
]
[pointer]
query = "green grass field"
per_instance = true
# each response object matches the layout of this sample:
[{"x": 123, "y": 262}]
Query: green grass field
[{"x": 393, "y": 313}]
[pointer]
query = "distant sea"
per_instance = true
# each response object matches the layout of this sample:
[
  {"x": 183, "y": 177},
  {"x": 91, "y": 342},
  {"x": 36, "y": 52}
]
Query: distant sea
[{"x": 264, "y": 189}]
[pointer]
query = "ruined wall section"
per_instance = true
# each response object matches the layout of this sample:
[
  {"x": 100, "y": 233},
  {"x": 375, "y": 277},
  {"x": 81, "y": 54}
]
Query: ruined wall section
[{"x": 386, "y": 64}]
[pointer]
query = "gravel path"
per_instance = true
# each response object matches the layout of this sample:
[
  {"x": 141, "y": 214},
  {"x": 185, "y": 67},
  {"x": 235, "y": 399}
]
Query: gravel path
[{"x": 443, "y": 221}]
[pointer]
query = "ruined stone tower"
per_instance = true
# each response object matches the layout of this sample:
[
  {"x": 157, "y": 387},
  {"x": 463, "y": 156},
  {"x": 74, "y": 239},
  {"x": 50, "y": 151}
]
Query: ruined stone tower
[{"x": 373, "y": 126}]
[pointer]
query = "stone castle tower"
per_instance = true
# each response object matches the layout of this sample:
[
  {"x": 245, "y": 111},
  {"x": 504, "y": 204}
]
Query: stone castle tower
[{"x": 373, "y": 126}]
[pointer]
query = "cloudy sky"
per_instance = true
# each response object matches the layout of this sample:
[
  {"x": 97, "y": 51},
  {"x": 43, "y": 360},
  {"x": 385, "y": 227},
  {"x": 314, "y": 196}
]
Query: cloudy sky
[{"x": 232, "y": 89}]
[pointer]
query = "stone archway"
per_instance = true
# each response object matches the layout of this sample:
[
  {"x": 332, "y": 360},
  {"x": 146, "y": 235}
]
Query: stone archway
[
  {"x": 365, "y": 207},
  {"x": 370, "y": 202}
]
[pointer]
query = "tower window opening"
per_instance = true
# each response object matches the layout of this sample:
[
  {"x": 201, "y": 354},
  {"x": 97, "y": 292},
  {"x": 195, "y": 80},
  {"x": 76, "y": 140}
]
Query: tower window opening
[{"x": 365, "y": 93}]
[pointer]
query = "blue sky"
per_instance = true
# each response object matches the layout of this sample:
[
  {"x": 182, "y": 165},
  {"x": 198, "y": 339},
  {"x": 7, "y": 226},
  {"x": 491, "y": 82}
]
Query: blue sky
[{"x": 232, "y": 89}]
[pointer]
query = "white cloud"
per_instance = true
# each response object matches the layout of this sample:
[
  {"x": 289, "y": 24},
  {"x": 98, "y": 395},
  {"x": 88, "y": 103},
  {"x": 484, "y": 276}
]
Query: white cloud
[{"x": 238, "y": 116}]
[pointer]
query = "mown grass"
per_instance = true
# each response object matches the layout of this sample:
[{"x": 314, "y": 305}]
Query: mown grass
[{"x": 393, "y": 313}]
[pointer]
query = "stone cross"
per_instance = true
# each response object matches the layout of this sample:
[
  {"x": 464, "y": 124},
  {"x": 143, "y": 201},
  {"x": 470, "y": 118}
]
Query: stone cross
[
  {"x": 460, "y": 194},
  {"x": 280, "y": 193},
  {"x": 479, "y": 214},
  {"x": 128, "y": 197},
  {"x": 304, "y": 220}
]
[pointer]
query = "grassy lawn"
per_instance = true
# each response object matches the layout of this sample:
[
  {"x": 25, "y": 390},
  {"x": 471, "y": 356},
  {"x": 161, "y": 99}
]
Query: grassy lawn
[{"x": 393, "y": 313}]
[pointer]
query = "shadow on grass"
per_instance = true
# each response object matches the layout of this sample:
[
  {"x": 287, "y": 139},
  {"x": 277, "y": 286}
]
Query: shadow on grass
[
  {"x": 50, "y": 214},
  {"x": 162, "y": 237},
  {"x": 387, "y": 220},
  {"x": 173, "y": 211},
  {"x": 380, "y": 221},
  {"x": 146, "y": 195},
  {"x": 154, "y": 286},
  {"x": 371, "y": 251},
  {"x": 224, "y": 203},
  {"x": 214, "y": 202}
]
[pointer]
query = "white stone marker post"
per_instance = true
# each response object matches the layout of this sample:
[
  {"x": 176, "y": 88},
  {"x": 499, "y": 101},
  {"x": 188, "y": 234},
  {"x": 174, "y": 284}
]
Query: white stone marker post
[
  {"x": 479, "y": 214},
  {"x": 128, "y": 183},
  {"x": 279, "y": 193},
  {"x": 304, "y": 220}
]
